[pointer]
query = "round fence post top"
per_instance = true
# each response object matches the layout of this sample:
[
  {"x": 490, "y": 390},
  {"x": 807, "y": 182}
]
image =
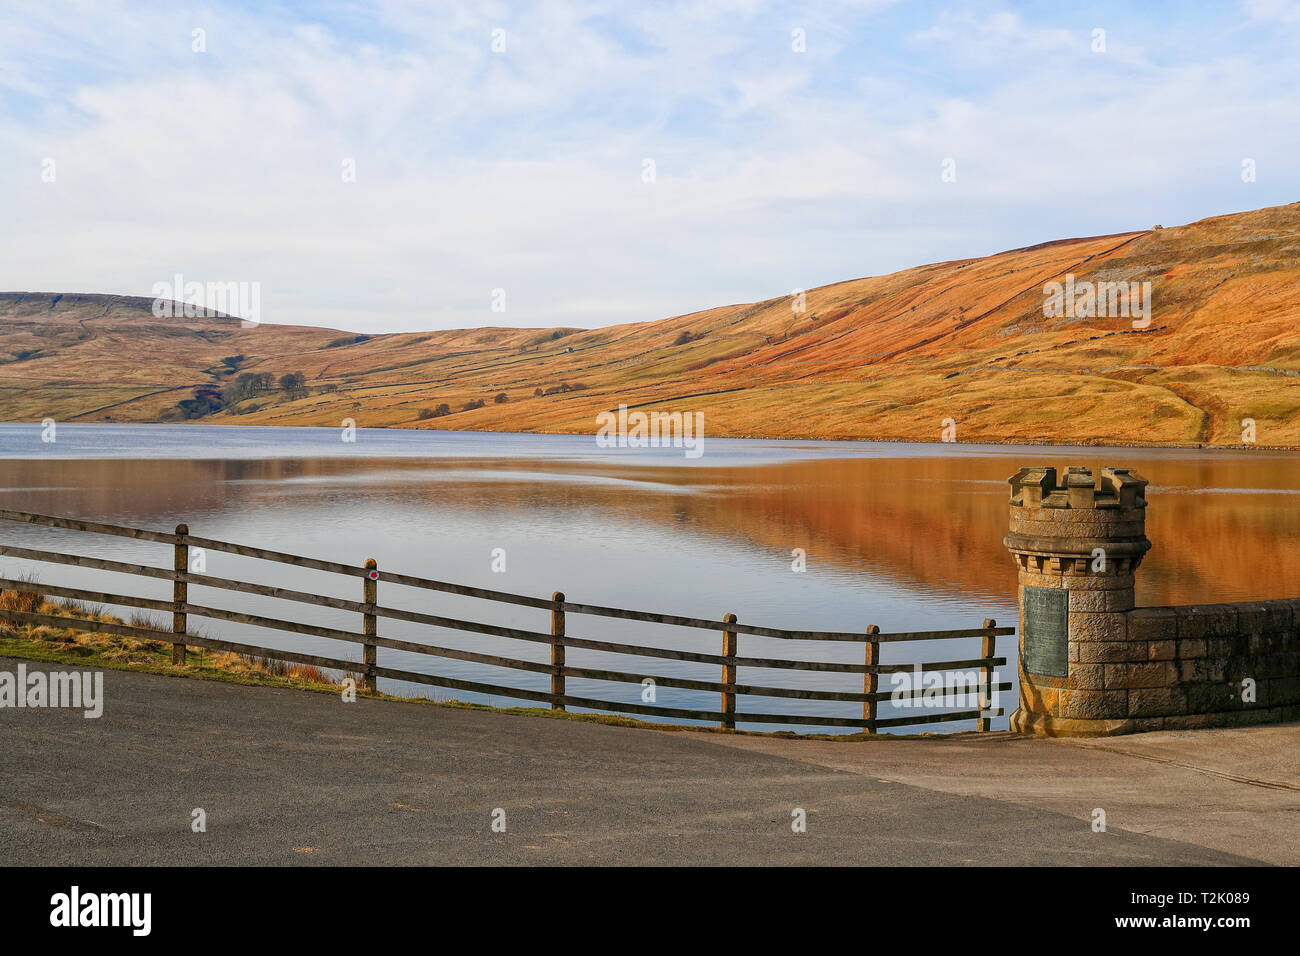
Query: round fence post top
[
  {"x": 371, "y": 564},
  {"x": 558, "y": 597},
  {"x": 182, "y": 528}
]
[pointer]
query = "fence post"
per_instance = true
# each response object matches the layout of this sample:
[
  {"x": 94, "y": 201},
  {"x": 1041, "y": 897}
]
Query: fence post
[
  {"x": 988, "y": 650},
  {"x": 871, "y": 680},
  {"x": 370, "y": 596},
  {"x": 180, "y": 592},
  {"x": 729, "y": 675},
  {"x": 557, "y": 649}
]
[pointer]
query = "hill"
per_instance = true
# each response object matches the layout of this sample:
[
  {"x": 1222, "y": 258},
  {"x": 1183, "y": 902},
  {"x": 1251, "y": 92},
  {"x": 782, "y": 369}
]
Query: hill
[{"x": 885, "y": 357}]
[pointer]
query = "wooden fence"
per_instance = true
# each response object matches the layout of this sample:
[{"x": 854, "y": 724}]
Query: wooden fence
[{"x": 181, "y": 609}]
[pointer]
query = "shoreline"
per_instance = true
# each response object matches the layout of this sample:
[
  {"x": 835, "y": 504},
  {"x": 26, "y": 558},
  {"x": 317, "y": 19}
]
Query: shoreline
[{"x": 873, "y": 440}]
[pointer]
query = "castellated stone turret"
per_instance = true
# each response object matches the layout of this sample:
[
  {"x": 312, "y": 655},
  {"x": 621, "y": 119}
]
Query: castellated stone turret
[
  {"x": 1056, "y": 529},
  {"x": 1077, "y": 544},
  {"x": 1091, "y": 663}
]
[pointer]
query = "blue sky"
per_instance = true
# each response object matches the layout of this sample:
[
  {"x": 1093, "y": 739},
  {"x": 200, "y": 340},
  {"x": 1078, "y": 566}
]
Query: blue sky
[{"x": 523, "y": 169}]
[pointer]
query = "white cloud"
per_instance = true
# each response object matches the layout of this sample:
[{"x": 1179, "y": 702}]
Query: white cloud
[
  {"x": 1285, "y": 11},
  {"x": 522, "y": 170}
]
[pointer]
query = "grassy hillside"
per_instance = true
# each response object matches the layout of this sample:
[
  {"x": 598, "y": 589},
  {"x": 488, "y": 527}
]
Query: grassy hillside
[{"x": 888, "y": 357}]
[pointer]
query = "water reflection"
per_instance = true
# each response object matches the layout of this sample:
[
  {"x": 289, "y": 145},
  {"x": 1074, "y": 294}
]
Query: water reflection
[{"x": 904, "y": 539}]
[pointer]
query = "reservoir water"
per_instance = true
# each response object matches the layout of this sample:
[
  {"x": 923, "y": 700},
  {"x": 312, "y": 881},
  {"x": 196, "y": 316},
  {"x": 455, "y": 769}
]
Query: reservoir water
[{"x": 904, "y": 536}]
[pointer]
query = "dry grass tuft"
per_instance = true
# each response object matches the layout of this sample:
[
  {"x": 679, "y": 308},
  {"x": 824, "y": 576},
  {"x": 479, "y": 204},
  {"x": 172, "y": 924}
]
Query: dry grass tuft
[
  {"x": 131, "y": 650},
  {"x": 247, "y": 664},
  {"x": 24, "y": 601}
]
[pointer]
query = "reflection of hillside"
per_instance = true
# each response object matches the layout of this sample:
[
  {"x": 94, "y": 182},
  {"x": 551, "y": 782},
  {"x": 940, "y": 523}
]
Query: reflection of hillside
[
  {"x": 932, "y": 523},
  {"x": 920, "y": 522},
  {"x": 171, "y": 490},
  {"x": 938, "y": 523}
]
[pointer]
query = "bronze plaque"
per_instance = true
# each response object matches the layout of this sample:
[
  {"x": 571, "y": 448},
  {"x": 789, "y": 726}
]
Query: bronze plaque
[{"x": 1046, "y": 612}]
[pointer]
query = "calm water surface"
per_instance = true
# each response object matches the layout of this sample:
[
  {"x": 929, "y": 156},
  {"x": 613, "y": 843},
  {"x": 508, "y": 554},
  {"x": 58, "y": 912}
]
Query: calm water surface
[{"x": 905, "y": 536}]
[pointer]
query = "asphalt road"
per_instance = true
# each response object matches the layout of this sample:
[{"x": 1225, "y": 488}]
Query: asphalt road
[{"x": 290, "y": 777}]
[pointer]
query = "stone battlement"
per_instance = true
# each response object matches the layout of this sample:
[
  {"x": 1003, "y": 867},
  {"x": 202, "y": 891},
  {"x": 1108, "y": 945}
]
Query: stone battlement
[
  {"x": 1091, "y": 662},
  {"x": 1062, "y": 528},
  {"x": 1119, "y": 488}
]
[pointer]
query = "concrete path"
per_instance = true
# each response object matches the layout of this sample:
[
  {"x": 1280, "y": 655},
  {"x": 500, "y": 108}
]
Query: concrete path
[
  {"x": 289, "y": 777},
  {"x": 1235, "y": 790}
]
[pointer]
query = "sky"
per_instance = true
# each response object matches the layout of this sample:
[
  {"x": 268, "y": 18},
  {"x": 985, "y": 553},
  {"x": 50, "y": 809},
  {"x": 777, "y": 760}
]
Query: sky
[{"x": 388, "y": 166}]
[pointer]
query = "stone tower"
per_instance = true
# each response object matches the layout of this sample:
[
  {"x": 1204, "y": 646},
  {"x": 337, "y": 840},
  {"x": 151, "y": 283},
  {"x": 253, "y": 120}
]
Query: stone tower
[{"x": 1077, "y": 547}]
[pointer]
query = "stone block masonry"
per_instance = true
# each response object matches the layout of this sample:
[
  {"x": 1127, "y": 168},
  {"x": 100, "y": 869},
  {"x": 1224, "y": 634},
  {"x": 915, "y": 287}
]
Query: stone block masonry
[{"x": 1091, "y": 663}]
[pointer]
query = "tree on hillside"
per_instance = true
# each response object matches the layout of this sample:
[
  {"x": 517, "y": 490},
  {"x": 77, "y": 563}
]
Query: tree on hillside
[
  {"x": 294, "y": 384},
  {"x": 207, "y": 400},
  {"x": 245, "y": 386}
]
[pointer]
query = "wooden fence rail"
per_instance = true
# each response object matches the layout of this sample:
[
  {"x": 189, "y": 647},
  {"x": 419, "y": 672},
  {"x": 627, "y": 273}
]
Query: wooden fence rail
[{"x": 182, "y": 608}]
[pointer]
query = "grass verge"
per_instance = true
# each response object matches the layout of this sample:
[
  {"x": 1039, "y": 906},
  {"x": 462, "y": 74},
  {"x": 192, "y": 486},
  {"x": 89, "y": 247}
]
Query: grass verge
[{"x": 67, "y": 645}]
